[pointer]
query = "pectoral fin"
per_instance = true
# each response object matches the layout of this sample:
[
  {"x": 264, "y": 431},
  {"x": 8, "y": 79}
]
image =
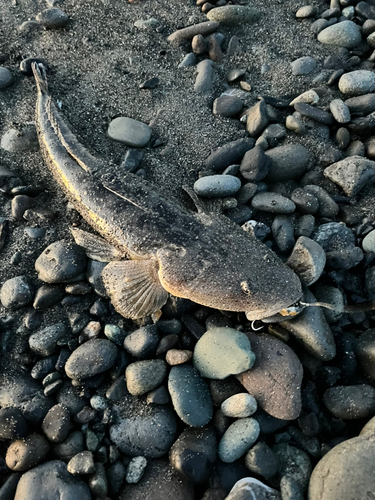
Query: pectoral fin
[
  {"x": 96, "y": 248},
  {"x": 134, "y": 287}
]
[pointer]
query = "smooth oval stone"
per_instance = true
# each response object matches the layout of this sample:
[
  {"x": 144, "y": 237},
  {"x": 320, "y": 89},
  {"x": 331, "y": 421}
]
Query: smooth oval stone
[
  {"x": 233, "y": 15},
  {"x": 142, "y": 342},
  {"x": 346, "y": 471},
  {"x": 255, "y": 164},
  {"x": 362, "y": 104},
  {"x": 193, "y": 454},
  {"x": 308, "y": 97},
  {"x": 229, "y": 154},
  {"x": 274, "y": 361},
  {"x": 205, "y": 72},
  {"x": 350, "y": 402},
  {"x": 56, "y": 423},
  {"x": 262, "y": 461},
  {"x": 368, "y": 242},
  {"x": 238, "y": 439},
  {"x": 144, "y": 376},
  {"x": 327, "y": 206},
  {"x": 82, "y": 463},
  {"x": 273, "y": 202},
  {"x": 190, "y": 396},
  {"x": 357, "y": 82},
  {"x": 53, "y": 18},
  {"x": 6, "y": 78},
  {"x": 365, "y": 351},
  {"x": 340, "y": 111},
  {"x": 227, "y": 105},
  {"x": 68, "y": 448},
  {"x": 213, "y": 186},
  {"x": 303, "y": 66},
  {"x": 221, "y": 352},
  {"x": 283, "y": 232},
  {"x": 150, "y": 435},
  {"x": 51, "y": 481},
  {"x": 294, "y": 463},
  {"x": 317, "y": 114},
  {"x": 307, "y": 260},
  {"x": 288, "y": 162},
  {"x": 26, "y": 453},
  {"x": 46, "y": 341},
  {"x": 306, "y": 11},
  {"x": 351, "y": 174},
  {"x": 257, "y": 118},
  {"x": 250, "y": 488},
  {"x": 311, "y": 329},
  {"x": 93, "y": 357},
  {"x": 239, "y": 406},
  {"x": 345, "y": 34},
  {"x": 190, "y": 32},
  {"x": 130, "y": 132},
  {"x": 60, "y": 262},
  {"x": 16, "y": 292}
]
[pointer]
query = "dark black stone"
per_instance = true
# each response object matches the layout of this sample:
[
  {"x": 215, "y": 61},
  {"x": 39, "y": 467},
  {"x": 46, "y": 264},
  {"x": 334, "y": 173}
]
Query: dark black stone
[
  {"x": 363, "y": 126},
  {"x": 255, "y": 164},
  {"x": 306, "y": 203},
  {"x": 142, "y": 343},
  {"x": 56, "y": 423},
  {"x": 229, "y": 154},
  {"x": 335, "y": 76},
  {"x": 314, "y": 113},
  {"x": 13, "y": 424},
  {"x": 364, "y": 10},
  {"x": 8, "y": 489},
  {"x": 193, "y": 326},
  {"x": 43, "y": 367},
  {"x": 132, "y": 160},
  {"x": 25, "y": 65},
  {"x": 48, "y": 295},
  {"x": 33, "y": 319},
  {"x": 166, "y": 343},
  {"x": 150, "y": 84},
  {"x": 261, "y": 460}
]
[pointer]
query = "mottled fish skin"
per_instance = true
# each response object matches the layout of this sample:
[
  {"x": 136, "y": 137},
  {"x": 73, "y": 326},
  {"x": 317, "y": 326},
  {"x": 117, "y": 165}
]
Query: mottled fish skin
[{"x": 201, "y": 257}]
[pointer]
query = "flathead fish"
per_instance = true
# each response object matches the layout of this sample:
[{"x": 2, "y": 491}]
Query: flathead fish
[{"x": 153, "y": 245}]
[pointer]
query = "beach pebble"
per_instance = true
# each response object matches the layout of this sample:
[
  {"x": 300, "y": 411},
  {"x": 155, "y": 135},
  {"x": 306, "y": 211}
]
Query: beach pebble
[
  {"x": 346, "y": 471},
  {"x": 47, "y": 296},
  {"x": 283, "y": 232},
  {"x": 368, "y": 242},
  {"x": 351, "y": 401},
  {"x": 115, "y": 334},
  {"x": 148, "y": 434},
  {"x": 257, "y": 229},
  {"x": 221, "y": 352},
  {"x": 238, "y": 439},
  {"x": 144, "y": 376},
  {"x": 203, "y": 82},
  {"x": 6, "y": 78},
  {"x": 295, "y": 124},
  {"x": 345, "y": 34},
  {"x": 213, "y": 186},
  {"x": 190, "y": 396},
  {"x": 199, "y": 45},
  {"x": 342, "y": 138},
  {"x": 357, "y": 82},
  {"x": 261, "y": 460},
  {"x": 116, "y": 475},
  {"x": 257, "y": 118},
  {"x": 16, "y": 292},
  {"x": 51, "y": 480},
  {"x": 239, "y": 406},
  {"x": 13, "y": 424},
  {"x": 193, "y": 454},
  {"x": 159, "y": 482},
  {"x": 25, "y": 64},
  {"x": 130, "y": 132},
  {"x": 142, "y": 343},
  {"x": 233, "y": 15},
  {"x": 340, "y": 111},
  {"x": 306, "y": 203},
  {"x": 82, "y": 463},
  {"x": 361, "y": 104},
  {"x": 273, "y": 203},
  {"x": 98, "y": 481},
  {"x": 227, "y": 105},
  {"x": 289, "y": 489},
  {"x": 307, "y": 260},
  {"x": 56, "y": 424},
  {"x": 178, "y": 356},
  {"x": 229, "y": 154},
  {"x": 294, "y": 463},
  {"x": 188, "y": 33},
  {"x": 214, "y": 47},
  {"x": 91, "y": 358},
  {"x": 274, "y": 361},
  {"x": 18, "y": 141},
  {"x": 52, "y": 18},
  {"x": 319, "y": 25},
  {"x": 303, "y": 66},
  {"x": 287, "y": 162},
  {"x": 188, "y": 60},
  {"x": 315, "y": 114},
  {"x": 135, "y": 470},
  {"x": 327, "y": 206},
  {"x": 311, "y": 329},
  {"x": 27, "y": 452},
  {"x": 46, "y": 341},
  {"x": 60, "y": 262},
  {"x": 308, "y": 97},
  {"x": 250, "y": 488},
  {"x": 306, "y": 11},
  {"x": 351, "y": 174},
  {"x": 235, "y": 74}
]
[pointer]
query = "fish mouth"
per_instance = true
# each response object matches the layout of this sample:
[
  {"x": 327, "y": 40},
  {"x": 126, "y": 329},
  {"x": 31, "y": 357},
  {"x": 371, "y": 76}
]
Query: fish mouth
[{"x": 284, "y": 314}]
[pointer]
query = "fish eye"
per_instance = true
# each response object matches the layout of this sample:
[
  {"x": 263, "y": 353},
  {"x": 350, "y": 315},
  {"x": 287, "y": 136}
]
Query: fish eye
[{"x": 245, "y": 287}]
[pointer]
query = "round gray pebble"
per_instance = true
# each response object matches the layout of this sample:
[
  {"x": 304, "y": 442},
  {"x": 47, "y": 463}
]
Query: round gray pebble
[
  {"x": 91, "y": 358},
  {"x": 303, "y": 66},
  {"x": 6, "y": 78},
  {"x": 130, "y": 132},
  {"x": 345, "y": 34},
  {"x": 357, "y": 82},
  {"x": 238, "y": 439},
  {"x": 213, "y": 186},
  {"x": 273, "y": 202},
  {"x": 144, "y": 376},
  {"x": 239, "y": 406},
  {"x": 16, "y": 292}
]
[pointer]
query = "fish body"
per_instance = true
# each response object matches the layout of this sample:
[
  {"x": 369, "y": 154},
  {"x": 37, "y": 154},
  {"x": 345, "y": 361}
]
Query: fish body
[{"x": 199, "y": 256}]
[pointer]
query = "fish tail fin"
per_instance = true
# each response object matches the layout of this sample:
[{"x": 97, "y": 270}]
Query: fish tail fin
[{"x": 40, "y": 77}]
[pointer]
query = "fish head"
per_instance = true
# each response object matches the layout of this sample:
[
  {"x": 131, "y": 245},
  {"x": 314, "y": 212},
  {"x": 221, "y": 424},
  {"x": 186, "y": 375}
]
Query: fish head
[{"x": 235, "y": 273}]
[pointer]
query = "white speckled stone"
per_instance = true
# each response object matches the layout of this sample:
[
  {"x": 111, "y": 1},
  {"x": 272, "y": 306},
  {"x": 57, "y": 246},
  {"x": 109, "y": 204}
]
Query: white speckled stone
[
  {"x": 357, "y": 82},
  {"x": 217, "y": 185}
]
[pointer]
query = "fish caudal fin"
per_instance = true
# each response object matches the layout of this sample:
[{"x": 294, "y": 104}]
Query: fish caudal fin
[
  {"x": 134, "y": 287},
  {"x": 96, "y": 247},
  {"x": 40, "y": 77}
]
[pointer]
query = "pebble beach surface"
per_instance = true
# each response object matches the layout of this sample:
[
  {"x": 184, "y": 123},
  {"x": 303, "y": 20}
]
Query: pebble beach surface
[{"x": 265, "y": 109}]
